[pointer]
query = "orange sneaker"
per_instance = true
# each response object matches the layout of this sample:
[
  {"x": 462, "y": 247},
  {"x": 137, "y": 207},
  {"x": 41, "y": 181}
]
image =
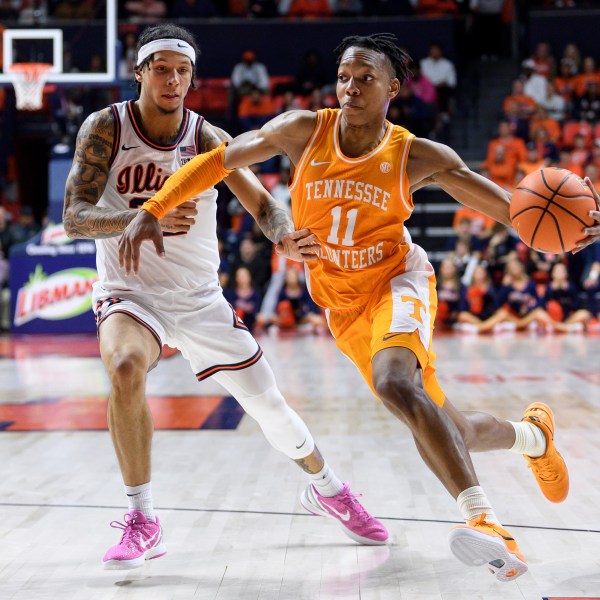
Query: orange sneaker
[
  {"x": 550, "y": 470},
  {"x": 479, "y": 542}
]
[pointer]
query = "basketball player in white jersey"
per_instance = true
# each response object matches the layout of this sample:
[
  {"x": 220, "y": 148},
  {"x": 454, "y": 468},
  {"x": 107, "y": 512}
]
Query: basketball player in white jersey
[
  {"x": 124, "y": 154},
  {"x": 353, "y": 176}
]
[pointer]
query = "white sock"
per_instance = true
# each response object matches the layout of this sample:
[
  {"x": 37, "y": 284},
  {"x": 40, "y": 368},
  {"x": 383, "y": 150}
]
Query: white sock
[
  {"x": 326, "y": 482},
  {"x": 530, "y": 439},
  {"x": 140, "y": 498},
  {"x": 472, "y": 502}
]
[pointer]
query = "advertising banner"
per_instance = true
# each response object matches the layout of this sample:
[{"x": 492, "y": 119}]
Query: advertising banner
[{"x": 51, "y": 280}]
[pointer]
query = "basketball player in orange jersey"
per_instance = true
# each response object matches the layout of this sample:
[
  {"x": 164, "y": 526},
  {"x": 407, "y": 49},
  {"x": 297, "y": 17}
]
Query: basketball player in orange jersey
[
  {"x": 353, "y": 175},
  {"x": 124, "y": 154}
]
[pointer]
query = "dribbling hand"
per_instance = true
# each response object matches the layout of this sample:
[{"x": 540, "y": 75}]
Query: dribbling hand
[
  {"x": 593, "y": 233},
  {"x": 143, "y": 226},
  {"x": 299, "y": 245}
]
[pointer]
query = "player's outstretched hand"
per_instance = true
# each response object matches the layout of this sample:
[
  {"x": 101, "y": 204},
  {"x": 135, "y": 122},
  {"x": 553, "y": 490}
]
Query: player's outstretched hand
[
  {"x": 593, "y": 233},
  {"x": 143, "y": 226},
  {"x": 180, "y": 219},
  {"x": 299, "y": 245}
]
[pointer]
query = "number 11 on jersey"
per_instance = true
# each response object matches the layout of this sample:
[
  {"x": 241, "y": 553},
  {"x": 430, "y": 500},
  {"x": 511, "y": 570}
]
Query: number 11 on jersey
[{"x": 336, "y": 213}]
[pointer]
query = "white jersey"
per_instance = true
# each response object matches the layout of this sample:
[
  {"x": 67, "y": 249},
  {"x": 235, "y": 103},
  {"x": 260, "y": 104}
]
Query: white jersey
[{"x": 138, "y": 169}]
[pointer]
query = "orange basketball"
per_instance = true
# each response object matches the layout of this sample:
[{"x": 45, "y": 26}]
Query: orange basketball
[{"x": 550, "y": 209}]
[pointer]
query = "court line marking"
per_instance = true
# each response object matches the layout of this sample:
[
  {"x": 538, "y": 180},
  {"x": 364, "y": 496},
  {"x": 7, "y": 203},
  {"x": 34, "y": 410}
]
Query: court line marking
[{"x": 287, "y": 514}]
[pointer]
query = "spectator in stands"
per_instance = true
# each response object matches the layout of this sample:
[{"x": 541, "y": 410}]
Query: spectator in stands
[
  {"x": 128, "y": 55},
  {"x": 421, "y": 86},
  {"x": 347, "y": 8},
  {"x": 465, "y": 259},
  {"x": 518, "y": 105},
  {"x": 534, "y": 85},
  {"x": 592, "y": 172},
  {"x": 255, "y": 109},
  {"x": 501, "y": 168},
  {"x": 143, "y": 11},
  {"x": 295, "y": 307},
  {"x": 573, "y": 55},
  {"x": 280, "y": 190},
  {"x": 25, "y": 227},
  {"x": 514, "y": 146},
  {"x": 555, "y": 105},
  {"x": 566, "y": 162},
  {"x": 501, "y": 248},
  {"x": 462, "y": 232},
  {"x": 312, "y": 9},
  {"x": 287, "y": 101},
  {"x": 72, "y": 9},
  {"x": 244, "y": 298},
  {"x": 589, "y": 74},
  {"x": 533, "y": 161},
  {"x": 587, "y": 106},
  {"x": 6, "y": 240},
  {"x": 250, "y": 258},
  {"x": 580, "y": 153},
  {"x": 543, "y": 60},
  {"x": 595, "y": 154},
  {"x": 451, "y": 294},
  {"x": 562, "y": 303},
  {"x": 411, "y": 112},
  {"x": 480, "y": 225},
  {"x": 442, "y": 74},
  {"x": 479, "y": 313},
  {"x": 540, "y": 119},
  {"x": 311, "y": 73},
  {"x": 263, "y": 9},
  {"x": 591, "y": 279},
  {"x": 546, "y": 147},
  {"x": 564, "y": 83},
  {"x": 249, "y": 74}
]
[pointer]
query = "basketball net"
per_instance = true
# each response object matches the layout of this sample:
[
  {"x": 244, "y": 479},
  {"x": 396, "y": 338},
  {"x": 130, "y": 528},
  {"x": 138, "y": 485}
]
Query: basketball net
[{"x": 28, "y": 80}]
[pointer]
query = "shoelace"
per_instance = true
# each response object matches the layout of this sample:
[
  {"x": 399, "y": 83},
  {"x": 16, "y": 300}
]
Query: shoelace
[
  {"x": 131, "y": 529},
  {"x": 350, "y": 500},
  {"x": 544, "y": 470}
]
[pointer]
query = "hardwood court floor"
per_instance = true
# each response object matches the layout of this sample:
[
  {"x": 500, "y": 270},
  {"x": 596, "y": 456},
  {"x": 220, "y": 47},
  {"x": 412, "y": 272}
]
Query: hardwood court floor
[{"x": 229, "y": 503}]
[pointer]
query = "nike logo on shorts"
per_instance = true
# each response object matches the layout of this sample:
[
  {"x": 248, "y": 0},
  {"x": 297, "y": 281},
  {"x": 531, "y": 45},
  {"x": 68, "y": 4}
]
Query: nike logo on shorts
[
  {"x": 389, "y": 336},
  {"x": 124, "y": 147},
  {"x": 314, "y": 163}
]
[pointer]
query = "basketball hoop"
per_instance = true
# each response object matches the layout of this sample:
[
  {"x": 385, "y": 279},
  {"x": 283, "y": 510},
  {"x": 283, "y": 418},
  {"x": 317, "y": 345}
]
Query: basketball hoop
[{"x": 28, "y": 80}]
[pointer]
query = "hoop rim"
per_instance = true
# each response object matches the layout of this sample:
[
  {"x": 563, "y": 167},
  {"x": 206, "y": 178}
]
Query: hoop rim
[{"x": 30, "y": 68}]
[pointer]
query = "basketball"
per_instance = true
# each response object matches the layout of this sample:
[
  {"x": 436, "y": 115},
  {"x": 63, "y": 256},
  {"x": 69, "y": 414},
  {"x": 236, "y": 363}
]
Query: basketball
[{"x": 550, "y": 209}]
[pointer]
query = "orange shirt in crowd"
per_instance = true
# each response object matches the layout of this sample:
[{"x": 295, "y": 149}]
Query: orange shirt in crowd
[
  {"x": 310, "y": 8},
  {"x": 565, "y": 87},
  {"x": 514, "y": 146},
  {"x": 520, "y": 105},
  {"x": 551, "y": 125},
  {"x": 479, "y": 221},
  {"x": 436, "y": 8},
  {"x": 249, "y": 108},
  {"x": 582, "y": 80},
  {"x": 527, "y": 166}
]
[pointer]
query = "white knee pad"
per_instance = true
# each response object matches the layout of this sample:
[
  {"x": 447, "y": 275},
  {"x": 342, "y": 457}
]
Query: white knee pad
[{"x": 256, "y": 391}]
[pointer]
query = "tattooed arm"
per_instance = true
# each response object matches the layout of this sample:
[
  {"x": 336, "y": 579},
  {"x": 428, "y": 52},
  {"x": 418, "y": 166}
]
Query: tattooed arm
[
  {"x": 271, "y": 216},
  {"x": 87, "y": 180}
]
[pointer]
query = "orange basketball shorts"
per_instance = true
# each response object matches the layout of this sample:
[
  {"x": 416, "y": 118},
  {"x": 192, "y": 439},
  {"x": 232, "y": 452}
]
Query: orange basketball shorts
[{"x": 400, "y": 312}]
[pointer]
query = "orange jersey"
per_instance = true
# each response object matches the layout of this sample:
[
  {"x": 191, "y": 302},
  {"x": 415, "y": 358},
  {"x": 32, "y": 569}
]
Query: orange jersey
[{"x": 357, "y": 208}]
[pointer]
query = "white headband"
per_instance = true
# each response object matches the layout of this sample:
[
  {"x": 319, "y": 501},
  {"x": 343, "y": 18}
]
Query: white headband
[{"x": 166, "y": 44}]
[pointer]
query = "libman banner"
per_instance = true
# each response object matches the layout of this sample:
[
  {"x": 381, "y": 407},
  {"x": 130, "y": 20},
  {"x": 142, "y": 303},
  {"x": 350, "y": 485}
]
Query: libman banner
[
  {"x": 51, "y": 288},
  {"x": 56, "y": 297}
]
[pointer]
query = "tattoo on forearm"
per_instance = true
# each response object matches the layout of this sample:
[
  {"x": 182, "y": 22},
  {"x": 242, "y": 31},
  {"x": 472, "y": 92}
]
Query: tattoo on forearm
[
  {"x": 274, "y": 220},
  {"x": 87, "y": 180}
]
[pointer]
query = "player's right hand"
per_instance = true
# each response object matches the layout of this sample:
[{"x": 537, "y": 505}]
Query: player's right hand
[
  {"x": 180, "y": 219},
  {"x": 143, "y": 226}
]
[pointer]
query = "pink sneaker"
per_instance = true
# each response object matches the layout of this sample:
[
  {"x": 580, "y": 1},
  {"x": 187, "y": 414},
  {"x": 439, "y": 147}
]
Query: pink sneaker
[
  {"x": 141, "y": 540},
  {"x": 356, "y": 522}
]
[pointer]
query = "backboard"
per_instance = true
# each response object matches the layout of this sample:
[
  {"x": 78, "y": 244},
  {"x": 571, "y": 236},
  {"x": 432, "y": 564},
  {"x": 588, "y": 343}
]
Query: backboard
[{"x": 80, "y": 51}]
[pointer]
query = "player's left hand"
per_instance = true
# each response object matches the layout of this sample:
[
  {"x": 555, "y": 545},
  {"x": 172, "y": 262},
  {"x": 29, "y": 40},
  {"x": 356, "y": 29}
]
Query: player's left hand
[
  {"x": 143, "y": 226},
  {"x": 593, "y": 232},
  {"x": 299, "y": 245}
]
